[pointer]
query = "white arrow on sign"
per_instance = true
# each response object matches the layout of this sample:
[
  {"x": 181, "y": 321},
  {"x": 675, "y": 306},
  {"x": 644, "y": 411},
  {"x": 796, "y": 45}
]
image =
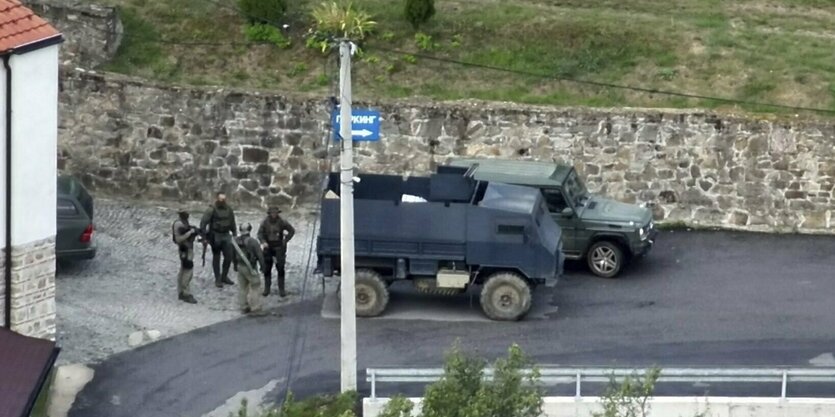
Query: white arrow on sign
[{"x": 364, "y": 133}]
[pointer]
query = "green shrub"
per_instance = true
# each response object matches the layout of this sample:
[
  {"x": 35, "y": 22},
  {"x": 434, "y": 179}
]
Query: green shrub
[
  {"x": 463, "y": 391},
  {"x": 342, "y": 19},
  {"x": 424, "y": 41},
  {"x": 629, "y": 398},
  {"x": 259, "y": 32},
  {"x": 335, "y": 20},
  {"x": 419, "y": 12},
  {"x": 341, "y": 405},
  {"x": 263, "y": 11}
]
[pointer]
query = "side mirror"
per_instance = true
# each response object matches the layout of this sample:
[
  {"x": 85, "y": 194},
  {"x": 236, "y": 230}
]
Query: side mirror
[{"x": 567, "y": 212}]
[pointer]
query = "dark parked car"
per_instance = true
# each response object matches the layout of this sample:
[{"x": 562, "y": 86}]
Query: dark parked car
[{"x": 74, "y": 238}]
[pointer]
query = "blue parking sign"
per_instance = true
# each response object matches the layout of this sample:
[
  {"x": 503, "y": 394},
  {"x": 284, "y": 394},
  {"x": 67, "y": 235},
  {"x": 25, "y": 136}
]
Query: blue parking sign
[{"x": 365, "y": 124}]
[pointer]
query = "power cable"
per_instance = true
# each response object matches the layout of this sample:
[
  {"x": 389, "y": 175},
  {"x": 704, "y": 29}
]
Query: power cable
[
  {"x": 300, "y": 333},
  {"x": 600, "y": 84},
  {"x": 501, "y": 69}
]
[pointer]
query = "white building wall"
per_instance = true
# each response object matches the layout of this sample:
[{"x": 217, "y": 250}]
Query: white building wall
[
  {"x": 34, "y": 170},
  {"x": 2, "y": 162},
  {"x": 34, "y": 147}
]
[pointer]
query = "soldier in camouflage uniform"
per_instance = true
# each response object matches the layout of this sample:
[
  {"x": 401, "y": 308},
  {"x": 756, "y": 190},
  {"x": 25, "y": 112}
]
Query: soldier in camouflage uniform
[
  {"x": 184, "y": 235},
  {"x": 217, "y": 224},
  {"x": 250, "y": 258},
  {"x": 274, "y": 234}
]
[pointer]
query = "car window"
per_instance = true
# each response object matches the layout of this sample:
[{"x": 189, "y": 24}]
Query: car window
[
  {"x": 554, "y": 200},
  {"x": 66, "y": 208}
]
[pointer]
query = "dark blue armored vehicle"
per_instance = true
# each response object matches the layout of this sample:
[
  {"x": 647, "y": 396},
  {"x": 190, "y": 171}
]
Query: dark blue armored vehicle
[{"x": 445, "y": 233}]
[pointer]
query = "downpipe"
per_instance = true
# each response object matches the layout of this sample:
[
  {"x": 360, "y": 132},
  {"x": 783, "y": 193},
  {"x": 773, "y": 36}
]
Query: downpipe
[{"x": 8, "y": 249}]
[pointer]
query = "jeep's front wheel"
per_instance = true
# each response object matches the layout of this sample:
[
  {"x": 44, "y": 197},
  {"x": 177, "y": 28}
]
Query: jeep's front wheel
[{"x": 605, "y": 259}]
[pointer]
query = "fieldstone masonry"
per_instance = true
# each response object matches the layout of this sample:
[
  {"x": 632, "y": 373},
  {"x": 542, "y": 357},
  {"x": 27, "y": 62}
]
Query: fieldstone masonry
[
  {"x": 132, "y": 139},
  {"x": 126, "y": 137},
  {"x": 33, "y": 289},
  {"x": 92, "y": 33}
]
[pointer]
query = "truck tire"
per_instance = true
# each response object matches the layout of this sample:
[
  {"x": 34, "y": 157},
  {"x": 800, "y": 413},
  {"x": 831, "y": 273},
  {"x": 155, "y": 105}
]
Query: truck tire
[
  {"x": 505, "y": 296},
  {"x": 605, "y": 259},
  {"x": 371, "y": 292}
]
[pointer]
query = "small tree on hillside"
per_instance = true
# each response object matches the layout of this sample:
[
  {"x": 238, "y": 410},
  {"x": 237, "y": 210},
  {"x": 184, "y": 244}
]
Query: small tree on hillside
[
  {"x": 263, "y": 11},
  {"x": 419, "y": 12}
]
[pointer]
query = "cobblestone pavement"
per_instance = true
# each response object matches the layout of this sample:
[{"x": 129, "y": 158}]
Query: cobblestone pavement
[{"x": 105, "y": 305}]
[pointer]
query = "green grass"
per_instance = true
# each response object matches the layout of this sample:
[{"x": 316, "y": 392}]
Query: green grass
[{"x": 779, "y": 53}]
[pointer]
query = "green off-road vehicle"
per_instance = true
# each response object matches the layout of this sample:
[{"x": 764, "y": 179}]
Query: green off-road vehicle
[{"x": 604, "y": 232}]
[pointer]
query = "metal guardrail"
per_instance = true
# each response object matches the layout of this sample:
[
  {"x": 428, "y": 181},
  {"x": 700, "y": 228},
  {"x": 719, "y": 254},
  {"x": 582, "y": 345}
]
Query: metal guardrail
[{"x": 567, "y": 375}]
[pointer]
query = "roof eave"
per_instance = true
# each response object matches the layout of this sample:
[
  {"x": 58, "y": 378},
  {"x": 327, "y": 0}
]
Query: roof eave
[{"x": 34, "y": 45}]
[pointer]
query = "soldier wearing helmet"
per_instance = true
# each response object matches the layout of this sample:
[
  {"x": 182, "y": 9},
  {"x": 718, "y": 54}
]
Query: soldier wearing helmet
[
  {"x": 274, "y": 233},
  {"x": 249, "y": 258},
  {"x": 184, "y": 234}
]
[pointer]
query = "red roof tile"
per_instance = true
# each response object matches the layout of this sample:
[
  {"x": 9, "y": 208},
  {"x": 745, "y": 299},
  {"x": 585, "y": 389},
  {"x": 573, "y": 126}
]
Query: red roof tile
[{"x": 19, "y": 26}]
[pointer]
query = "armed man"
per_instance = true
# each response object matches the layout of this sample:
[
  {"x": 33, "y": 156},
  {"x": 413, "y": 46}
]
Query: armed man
[
  {"x": 274, "y": 233},
  {"x": 250, "y": 258},
  {"x": 218, "y": 225},
  {"x": 184, "y": 234}
]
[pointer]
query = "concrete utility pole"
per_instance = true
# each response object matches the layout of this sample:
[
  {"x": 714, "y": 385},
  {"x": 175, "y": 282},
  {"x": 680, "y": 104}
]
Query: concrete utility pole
[{"x": 346, "y": 208}]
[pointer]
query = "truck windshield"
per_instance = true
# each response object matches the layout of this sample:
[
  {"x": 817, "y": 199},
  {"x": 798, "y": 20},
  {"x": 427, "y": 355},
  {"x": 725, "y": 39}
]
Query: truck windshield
[{"x": 575, "y": 189}]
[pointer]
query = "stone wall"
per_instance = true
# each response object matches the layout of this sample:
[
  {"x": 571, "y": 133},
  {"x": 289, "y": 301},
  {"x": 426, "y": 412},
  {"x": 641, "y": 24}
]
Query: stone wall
[
  {"x": 129, "y": 138},
  {"x": 33, "y": 289},
  {"x": 126, "y": 138},
  {"x": 92, "y": 33}
]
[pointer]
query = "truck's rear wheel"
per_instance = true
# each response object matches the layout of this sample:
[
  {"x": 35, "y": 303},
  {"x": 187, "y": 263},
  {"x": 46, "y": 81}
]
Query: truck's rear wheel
[
  {"x": 371, "y": 292},
  {"x": 505, "y": 296},
  {"x": 605, "y": 259}
]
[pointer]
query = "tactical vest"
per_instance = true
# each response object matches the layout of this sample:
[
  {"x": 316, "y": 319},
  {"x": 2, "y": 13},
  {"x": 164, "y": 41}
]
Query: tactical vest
[
  {"x": 221, "y": 219},
  {"x": 274, "y": 232},
  {"x": 174, "y": 230}
]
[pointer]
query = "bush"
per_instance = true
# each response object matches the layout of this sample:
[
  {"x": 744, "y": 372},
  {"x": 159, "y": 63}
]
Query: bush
[
  {"x": 463, "y": 390},
  {"x": 341, "y": 405},
  {"x": 338, "y": 20},
  {"x": 263, "y": 11},
  {"x": 631, "y": 397},
  {"x": 259, "y": 32},
  {"x": 342, "y": 19},
  {"x": 419, "y": 12}
]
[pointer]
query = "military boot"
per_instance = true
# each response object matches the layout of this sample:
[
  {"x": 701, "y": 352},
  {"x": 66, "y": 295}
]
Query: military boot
[
  {"x": 266, "y": 287},
  {"x": 188, "y": 298},
  {"x": 281, "y": 292}
]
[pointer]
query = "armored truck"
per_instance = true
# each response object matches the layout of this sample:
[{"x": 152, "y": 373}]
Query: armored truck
[
  {"x": 444, "y": 233},
  {"x": 607, "y": 234}
]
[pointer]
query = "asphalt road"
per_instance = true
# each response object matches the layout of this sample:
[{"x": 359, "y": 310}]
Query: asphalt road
[{"x": 699, "y": 299}]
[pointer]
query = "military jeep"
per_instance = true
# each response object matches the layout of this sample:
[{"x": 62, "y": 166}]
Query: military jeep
[{"x": 607, "y": 234}]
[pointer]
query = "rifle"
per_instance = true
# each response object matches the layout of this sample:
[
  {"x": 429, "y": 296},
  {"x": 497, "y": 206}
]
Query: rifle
[{"x": 204, "y": 239}]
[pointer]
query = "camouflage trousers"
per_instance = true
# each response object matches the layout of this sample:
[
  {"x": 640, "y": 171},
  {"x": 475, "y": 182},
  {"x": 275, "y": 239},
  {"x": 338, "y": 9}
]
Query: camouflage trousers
[
  {"x": 186, "y": 271},
  {"x": 249, "y": 289}
]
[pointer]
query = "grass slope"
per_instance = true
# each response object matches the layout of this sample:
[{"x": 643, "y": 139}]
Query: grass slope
[{"x": 777, "y": 51}]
